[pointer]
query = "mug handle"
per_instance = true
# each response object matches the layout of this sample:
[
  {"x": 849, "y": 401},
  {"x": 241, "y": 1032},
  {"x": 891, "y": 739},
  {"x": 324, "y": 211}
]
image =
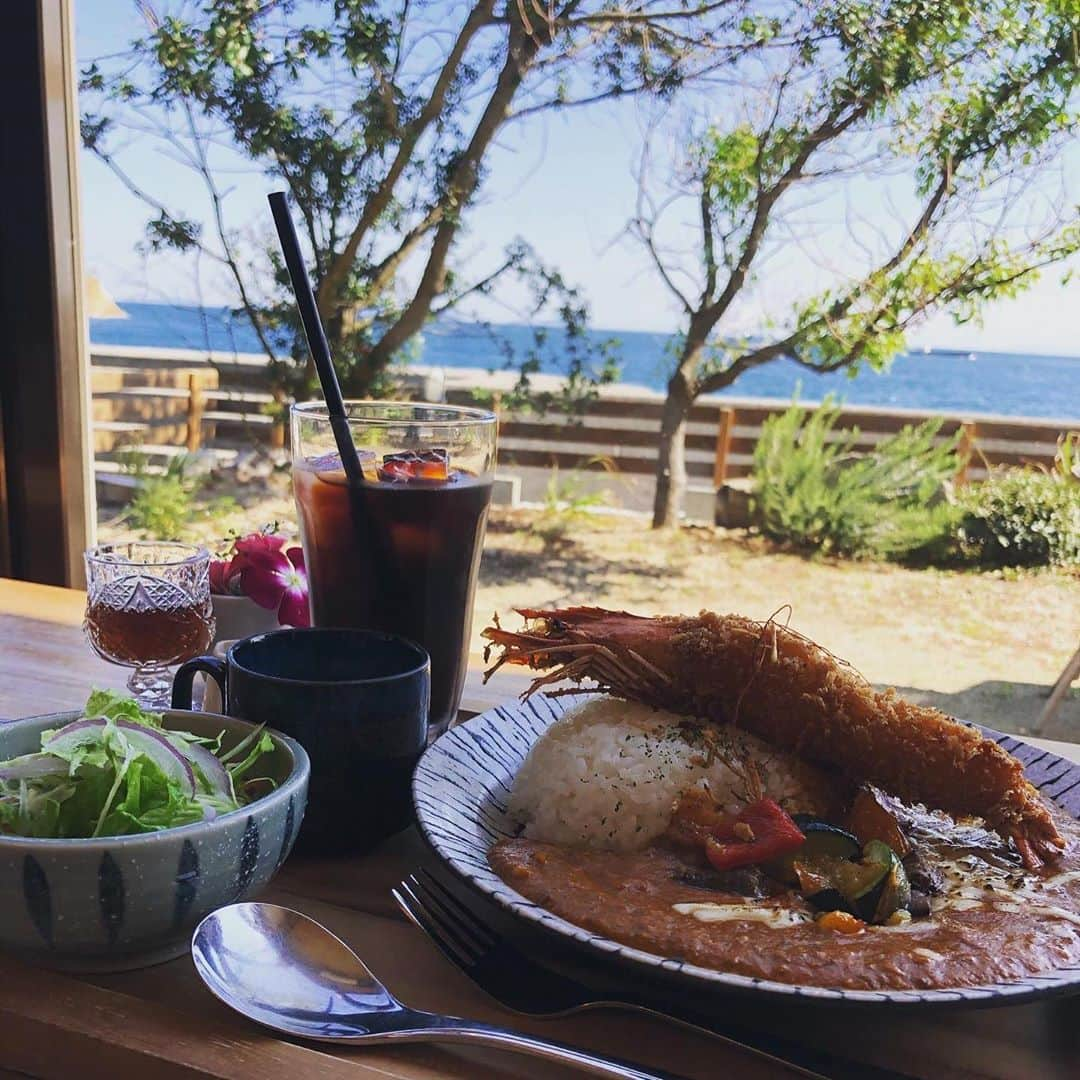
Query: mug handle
[{"x": 185, "y": 676}]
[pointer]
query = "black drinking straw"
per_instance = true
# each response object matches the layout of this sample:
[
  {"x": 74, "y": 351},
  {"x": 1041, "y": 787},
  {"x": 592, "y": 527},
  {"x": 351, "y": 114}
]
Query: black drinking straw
[{"x": 316, "y": 337}]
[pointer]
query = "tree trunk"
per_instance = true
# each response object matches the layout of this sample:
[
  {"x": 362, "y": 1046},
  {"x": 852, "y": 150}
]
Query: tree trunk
[{"x": 671, "y": 464}]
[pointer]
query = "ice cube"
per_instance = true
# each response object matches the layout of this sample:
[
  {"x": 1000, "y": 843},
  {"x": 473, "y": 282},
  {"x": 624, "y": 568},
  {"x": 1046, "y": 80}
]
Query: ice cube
[
  {"x": 408, "y": 465},
  {"x": 431, "y": 470},
  {"x": 394, "y": 470}
]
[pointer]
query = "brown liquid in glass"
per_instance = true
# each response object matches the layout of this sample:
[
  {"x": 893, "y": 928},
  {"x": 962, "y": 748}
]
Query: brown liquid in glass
[
  {"x": 127, "y": 631},
  {"x": 401, "y": 559}
]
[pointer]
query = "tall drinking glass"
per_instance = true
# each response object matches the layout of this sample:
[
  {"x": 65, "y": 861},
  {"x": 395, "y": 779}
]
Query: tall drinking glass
[{"x": 398, "y": 552}]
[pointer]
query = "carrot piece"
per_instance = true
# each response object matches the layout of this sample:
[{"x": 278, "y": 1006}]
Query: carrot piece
[{"x": 841, "y": 922}]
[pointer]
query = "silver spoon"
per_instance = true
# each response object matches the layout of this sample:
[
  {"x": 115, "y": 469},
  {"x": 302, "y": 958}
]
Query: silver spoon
[{"x": 288, "y": 972}]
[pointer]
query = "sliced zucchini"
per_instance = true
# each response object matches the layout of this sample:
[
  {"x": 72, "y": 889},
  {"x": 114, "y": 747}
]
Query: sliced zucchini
[
  {"x": 878, "y": 851},
  {"x": 822, "y": 838},
  {"x": 832, "y": 883},
  {"x": 891, "y": 893}
]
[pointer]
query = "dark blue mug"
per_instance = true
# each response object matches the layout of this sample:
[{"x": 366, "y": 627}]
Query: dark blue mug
[{"x": 356, "y": 700}]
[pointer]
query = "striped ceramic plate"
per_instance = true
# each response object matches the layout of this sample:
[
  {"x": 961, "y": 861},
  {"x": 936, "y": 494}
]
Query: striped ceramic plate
[{"x": 461, "y": 787}]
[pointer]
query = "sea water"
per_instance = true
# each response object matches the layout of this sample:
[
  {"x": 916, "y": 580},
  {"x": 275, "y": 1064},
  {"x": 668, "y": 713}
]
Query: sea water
[{"x": 937, "y": 380}]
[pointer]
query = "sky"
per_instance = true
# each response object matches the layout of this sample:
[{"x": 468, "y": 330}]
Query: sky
[{"x": 563, "y": 182}]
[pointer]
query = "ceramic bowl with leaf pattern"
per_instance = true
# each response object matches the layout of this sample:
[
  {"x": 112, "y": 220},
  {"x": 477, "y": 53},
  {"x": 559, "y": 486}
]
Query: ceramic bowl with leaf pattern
[{"x": 122, "y": 902}]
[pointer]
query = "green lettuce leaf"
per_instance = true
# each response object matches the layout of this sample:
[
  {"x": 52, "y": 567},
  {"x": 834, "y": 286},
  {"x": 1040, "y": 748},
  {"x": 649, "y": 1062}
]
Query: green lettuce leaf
[
  {"x": 114, "y": 789},
  {"x": 115, "y": 705}
]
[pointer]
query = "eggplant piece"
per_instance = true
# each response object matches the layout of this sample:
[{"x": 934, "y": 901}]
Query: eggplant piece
[
  {"x": 745, "y": 881},
  {"x": 919, "y": 905},
  {"x": 923, "y": 875},
  {"x": 830, "y": 900},
  {"x": 822, "y": 838}
]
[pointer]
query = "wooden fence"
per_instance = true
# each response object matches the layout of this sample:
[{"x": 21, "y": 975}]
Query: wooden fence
[
  {"x": 623, "y": 433},
  {"x": 176, "y": 404},
  {"x": 171, "y": 401}
]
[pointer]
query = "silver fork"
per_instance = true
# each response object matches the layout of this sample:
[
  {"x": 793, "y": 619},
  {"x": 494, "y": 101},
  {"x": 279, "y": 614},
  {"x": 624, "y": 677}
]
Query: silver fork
[{"x": 515, "y": 980}]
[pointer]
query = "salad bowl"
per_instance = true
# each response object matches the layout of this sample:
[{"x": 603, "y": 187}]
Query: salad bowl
[{"x": 114, "y": 903}]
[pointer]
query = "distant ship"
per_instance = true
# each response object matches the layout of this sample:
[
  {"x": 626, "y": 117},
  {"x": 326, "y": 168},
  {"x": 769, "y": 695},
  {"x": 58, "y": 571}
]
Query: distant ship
[{"x": 928, "y": 349}]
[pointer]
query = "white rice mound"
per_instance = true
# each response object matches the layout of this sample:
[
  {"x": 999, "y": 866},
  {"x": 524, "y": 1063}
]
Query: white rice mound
[{"x": 608, "y": 773}]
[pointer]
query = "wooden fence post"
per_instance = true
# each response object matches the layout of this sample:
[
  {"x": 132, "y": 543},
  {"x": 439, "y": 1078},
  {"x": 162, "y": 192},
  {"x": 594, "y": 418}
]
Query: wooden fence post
[
  {"x": 196, "y": 406},
  {"x": 279, "y": 430},
  {"x": 966, "y": 449},
  {"x": 723, "y": 446}
]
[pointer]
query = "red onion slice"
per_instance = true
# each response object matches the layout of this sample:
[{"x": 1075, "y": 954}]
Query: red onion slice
[
  {"x": 146, "y": 740},
  {"x": 208, "y": 765}
]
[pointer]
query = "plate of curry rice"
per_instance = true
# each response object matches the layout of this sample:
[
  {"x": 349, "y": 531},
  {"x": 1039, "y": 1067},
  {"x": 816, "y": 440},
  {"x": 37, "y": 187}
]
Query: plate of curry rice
[{"x": 723, "y": 803}]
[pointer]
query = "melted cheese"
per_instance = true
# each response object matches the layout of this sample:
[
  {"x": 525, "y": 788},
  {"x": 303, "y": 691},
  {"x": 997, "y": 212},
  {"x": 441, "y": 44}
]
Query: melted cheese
[
  {"x": 972, "y": 883},
  {"x": 771, "y": 916},
  {"x": 927, "y": 954},
  {"x": 959, "y": 903},
  {"x": 1048, "y": 910},
  {"x": 1062, "y": 879}
]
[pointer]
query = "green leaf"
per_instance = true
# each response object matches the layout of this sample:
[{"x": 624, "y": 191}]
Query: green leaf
[{"x": 116, "y": 705}]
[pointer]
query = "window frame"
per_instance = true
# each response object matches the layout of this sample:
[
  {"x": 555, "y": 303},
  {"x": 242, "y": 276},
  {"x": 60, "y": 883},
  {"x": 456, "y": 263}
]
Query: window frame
[{"x": 46, "y": 454}]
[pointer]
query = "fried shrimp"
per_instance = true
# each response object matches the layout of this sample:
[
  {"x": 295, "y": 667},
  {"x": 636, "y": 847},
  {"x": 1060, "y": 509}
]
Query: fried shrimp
[{"x": 796, "y": 695}]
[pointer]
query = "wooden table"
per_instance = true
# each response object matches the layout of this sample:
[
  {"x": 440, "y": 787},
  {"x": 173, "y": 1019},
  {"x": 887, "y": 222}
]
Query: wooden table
[{"x": 161, "y": 1022}]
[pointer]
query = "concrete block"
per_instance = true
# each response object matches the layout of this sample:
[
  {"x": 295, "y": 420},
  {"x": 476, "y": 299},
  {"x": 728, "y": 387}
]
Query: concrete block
[
  {"x": 699, "y": 504},
  {"x": 506, "y": 490}
]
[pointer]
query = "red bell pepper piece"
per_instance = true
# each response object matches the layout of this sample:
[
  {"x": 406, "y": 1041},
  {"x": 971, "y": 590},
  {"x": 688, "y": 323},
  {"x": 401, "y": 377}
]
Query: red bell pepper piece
[{"x": 762, "y": 831}]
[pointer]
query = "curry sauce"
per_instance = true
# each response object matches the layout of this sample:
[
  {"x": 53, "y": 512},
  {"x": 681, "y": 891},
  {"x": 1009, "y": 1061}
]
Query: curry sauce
[{"x": 992, "y": 921}]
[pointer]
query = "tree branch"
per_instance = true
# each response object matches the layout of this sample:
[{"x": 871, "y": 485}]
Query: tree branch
[
  {"x": 379, "y": 200},
  {"x": 645, "y": 234},
  {"x": 870, "y": 323},
  {"x": 521, "y": 51},
  {"x": 615, "y": 17},
  {"x": 110, "y": 162},
  {"x": 478, "y": 286},
  {"x": 383, "y": 273},
  {"x": 223, "y": 238},
  {"x": 708, "y": 250},
  {"x": 767, "y": 353},
  {"x": 830, "y": 128}
]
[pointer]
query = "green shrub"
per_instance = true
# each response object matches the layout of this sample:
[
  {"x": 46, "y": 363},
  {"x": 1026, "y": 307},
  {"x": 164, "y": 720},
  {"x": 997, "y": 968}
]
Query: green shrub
[
  {"x": 1022, "y": 517},
  {"x": 813, "y": 492},
  {"x": 567, "y": 502},
  {"x": 163, "y": 505}
]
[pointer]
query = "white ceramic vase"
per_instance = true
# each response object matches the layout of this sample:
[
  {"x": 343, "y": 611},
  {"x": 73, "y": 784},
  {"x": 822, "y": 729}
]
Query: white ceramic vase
[{"x": 240, "y": 617}]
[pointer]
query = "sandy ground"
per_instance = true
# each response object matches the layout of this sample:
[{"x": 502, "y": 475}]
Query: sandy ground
[{"x": 984, "y": 646}]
